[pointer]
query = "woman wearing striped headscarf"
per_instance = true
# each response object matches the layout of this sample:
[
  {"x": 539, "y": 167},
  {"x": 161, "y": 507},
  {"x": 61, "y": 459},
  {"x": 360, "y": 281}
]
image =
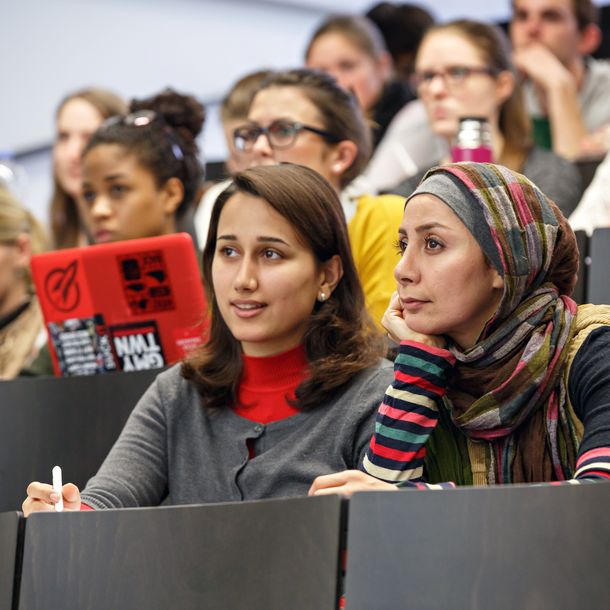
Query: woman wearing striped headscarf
[{"x": 500, "y": 377}]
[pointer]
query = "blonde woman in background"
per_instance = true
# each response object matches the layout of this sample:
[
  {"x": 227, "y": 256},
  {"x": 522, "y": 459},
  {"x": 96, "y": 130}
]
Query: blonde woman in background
[
  {"x": 79, "y": 114},
  {"x": 21, "y": 325}
]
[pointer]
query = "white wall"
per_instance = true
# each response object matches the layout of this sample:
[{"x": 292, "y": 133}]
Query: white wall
[
  {"x": 136, "y": 47},
  {"x": 50, "y": 47}
]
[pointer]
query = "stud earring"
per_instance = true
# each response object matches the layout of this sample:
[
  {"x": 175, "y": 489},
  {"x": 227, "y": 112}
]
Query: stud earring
[{"x": 322, "y": 297}]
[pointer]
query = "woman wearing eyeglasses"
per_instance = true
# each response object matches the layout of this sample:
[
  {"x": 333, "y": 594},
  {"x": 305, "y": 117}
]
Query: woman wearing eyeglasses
[
  {"x": 141, "y": 173},
  {"x": 303, "y": 116},
  {"x": 464, "y": 69}
]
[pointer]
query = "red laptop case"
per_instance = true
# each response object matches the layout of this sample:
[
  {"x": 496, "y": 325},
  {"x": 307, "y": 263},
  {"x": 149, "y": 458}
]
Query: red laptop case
[{"x": 128, "y": 305}]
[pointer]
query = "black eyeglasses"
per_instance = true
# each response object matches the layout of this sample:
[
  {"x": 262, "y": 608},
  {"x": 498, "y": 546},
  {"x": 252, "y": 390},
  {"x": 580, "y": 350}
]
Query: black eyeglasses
[
  {"x": 280, "y": 134},
  {"x": 143, "y": 118},
  {"x": 453, "y": 76}
]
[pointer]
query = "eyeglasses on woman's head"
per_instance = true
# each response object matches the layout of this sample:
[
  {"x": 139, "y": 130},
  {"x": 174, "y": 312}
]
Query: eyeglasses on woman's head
[{"x": 143, "y": 118}]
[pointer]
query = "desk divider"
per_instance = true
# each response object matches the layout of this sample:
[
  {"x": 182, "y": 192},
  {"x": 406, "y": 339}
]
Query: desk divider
[
  {"x": 496, "y": 548},
  {"x": 541, "y": 547},
  {"x": 598, "y": 272},
  {"x": 11, "y": 546},
  {"x": 261, "y": 555},
  {"x": 70, "y": 421}
]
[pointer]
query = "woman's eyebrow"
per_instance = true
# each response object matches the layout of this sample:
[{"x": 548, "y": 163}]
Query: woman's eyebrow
[
  {"x": 426, "y": 227},
  {"x": 262, "y": 238},
  {"x": 431, "y": 225},
  {"x": 116, "y": 176},
  {"x": 275, "y": 240}
]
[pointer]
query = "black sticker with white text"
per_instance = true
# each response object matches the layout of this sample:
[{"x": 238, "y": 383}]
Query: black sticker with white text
[
  {"x": 137, "y": 346},
  {"x": 82, "y": 346}
]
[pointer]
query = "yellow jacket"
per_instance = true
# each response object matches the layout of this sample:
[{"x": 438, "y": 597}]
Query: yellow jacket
[{"x": 373, "y": 232}]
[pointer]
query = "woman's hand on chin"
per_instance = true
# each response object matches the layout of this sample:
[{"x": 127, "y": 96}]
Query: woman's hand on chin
[
  {"x": 346, "y": 483},
  {"x": 394, "y": 322}
]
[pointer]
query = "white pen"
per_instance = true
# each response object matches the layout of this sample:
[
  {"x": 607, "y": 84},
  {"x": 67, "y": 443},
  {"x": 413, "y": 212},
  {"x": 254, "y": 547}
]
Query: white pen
[{"x": 57, "y": 488}]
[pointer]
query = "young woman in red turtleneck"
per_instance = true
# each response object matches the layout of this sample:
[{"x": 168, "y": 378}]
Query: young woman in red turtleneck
[{"x": 288, "y": 383}]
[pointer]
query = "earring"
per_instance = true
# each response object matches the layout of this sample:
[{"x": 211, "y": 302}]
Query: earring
[{"x": 322, "y": 297}]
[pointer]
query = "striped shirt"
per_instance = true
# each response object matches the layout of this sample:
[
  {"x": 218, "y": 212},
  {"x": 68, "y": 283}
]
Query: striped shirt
[{"x": 409, "y": 412}]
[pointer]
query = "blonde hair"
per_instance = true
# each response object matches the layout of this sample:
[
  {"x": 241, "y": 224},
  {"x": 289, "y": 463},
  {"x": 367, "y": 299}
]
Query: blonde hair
[
  {"x": 16, "y": 220},
  {"x": 64, "y": 217},
  {"x": 236, "y": 103}
]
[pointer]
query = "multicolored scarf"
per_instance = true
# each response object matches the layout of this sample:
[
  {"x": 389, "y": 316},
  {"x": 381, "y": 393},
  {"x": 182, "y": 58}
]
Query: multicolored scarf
[{"x": 508, "y": 388}]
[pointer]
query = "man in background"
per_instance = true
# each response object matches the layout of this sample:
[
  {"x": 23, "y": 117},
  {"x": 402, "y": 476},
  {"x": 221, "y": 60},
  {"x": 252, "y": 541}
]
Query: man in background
[{"x": 567, "y": 91}]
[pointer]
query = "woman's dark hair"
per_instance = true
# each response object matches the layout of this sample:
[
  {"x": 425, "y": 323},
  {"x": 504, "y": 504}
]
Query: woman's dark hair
[
  {"x": 166, "y": 145},
  {"x": 340, "y": 339},
  {"x": 402, "y": 26},
  {"x": 338, "y": 110},
  {"x": 65, "y": 220}
]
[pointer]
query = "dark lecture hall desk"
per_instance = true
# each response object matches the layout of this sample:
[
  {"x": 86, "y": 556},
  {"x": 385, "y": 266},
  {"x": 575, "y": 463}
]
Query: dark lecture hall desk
[
  {"x": 263, "y": 555},
  {"x": 536, "y": 547},
  {"x": 71, "y": 421}
]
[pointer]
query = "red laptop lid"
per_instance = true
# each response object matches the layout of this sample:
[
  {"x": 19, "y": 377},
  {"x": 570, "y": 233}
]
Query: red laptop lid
[{"x": 127, "y": 305}]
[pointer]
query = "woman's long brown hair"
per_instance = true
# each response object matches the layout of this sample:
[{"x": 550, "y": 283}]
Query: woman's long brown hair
[{"x": 340, "y": 339}]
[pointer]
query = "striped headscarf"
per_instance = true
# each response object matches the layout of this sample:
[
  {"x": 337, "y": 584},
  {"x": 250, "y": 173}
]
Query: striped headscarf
[{"x": 508, "y": 389}]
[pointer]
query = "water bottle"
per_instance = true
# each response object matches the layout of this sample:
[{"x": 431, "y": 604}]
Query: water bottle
[
  {"x": 12, "y": 175},
  {"x": 473, "y": 141}
]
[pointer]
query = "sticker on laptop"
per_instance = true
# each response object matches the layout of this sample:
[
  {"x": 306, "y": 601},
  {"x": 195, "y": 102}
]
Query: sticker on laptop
[
  {"x": 137, "y": 346},
  {"x": 61, "y": 287},
  {"x": 82, "y": 346},
  {"x": 146, "y": 283}
]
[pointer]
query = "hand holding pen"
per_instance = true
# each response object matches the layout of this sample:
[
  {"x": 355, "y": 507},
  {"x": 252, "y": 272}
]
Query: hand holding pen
[{"x": 43, "y": 497}]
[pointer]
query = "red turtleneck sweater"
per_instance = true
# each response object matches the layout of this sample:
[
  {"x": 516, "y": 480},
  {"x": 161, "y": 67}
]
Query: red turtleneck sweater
[{"x": 267, "y": 381}]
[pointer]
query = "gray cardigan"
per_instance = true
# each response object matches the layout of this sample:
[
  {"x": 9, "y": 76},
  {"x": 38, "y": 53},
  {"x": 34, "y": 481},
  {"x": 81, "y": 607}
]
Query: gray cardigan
[{"x": 173, "y": 449}]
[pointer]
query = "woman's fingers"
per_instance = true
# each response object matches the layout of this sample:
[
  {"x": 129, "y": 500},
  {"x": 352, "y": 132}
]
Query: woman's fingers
[
  {"x": 42, "y": 498},
  {"x": 393, "y": 320},
  {"x": 41, "y": 491},
  {"x": 398, "y": 330},
  {"x": 71, "y": 496},
  {"x": 346, "y": 483}
]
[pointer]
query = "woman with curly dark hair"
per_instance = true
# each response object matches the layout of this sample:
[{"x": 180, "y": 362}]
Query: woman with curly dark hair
[{"x": 141, "y": 172}]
